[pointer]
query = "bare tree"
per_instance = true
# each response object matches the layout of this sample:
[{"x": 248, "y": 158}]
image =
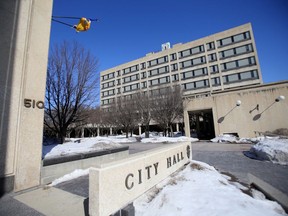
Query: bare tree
[
  {"x": 125, "y": 114},
  {"x": 70, "y": 87},
  {"x": 144, "y": 106},
  {"x": 168, "y": 106}
]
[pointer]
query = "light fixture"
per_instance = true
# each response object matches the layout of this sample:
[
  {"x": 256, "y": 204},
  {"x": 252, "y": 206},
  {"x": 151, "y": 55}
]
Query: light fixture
[
  {"x": 238, "y": 102},
  {"x": 281, "y": 97}
]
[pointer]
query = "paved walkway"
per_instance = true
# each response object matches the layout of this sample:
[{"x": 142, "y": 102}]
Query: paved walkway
[
  {"x": 230, "y": 158},
  {"x": 72, "y": 195}
]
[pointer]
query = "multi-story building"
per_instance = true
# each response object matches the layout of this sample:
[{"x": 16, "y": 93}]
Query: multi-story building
[{"x": 214, "y": 63}]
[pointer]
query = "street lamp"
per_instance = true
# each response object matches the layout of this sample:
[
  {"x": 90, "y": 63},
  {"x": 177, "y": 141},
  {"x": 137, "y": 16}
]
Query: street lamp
[
  {"x": 238, "y": 102},
  {"x": 278, "y": 99}
]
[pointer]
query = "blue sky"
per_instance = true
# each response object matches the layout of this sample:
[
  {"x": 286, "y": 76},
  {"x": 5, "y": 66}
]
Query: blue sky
[{"x": 128, "y": 29}]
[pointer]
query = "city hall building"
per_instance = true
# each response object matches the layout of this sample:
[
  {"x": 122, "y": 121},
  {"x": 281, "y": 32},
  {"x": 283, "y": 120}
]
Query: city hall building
[{"x": 221, "y": 81}]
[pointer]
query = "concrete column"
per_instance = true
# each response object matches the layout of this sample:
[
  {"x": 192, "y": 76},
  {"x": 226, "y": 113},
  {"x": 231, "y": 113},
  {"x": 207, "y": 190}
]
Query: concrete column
[
  {"x": 23, "y": 64},
  {"x": 186, "y": 123},
  {"x": 82, "y": 132},
  {"x": 177, "y": 126},
  {"x": 98, "y": 131}
]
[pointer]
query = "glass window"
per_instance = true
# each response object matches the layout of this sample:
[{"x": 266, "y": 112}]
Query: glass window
[
  {"x": 174, "y": 67},
  {"x": 173, "y": 56},
  {"x": 210, "y": 46},
  {"x": 213, "y": 68},
  {"x": 189, "y": 85}
]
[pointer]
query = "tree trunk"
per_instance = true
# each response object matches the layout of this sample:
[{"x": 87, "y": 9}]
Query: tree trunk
[{"x": 147, "y": 131}]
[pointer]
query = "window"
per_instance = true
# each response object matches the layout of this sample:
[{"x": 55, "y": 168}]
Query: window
[
  {"x": 214, "y": 69},
  {"x": 158, "y": 61},
  {"x": 107, "y": 101},
  {"x": 131, "y": 69},
  {"x": 248, "y": 75},
  {"x": 238, "y": 63},
  {"x": 233, "y": 39},
  {"x": 131, "y": 87},
  {"x": 173, "y": 57},
  {"x": 157, "y": 71},
  {"x": 192, "y": 51},
  {"x": 144, "y": 85},
  {"x": 174, "y": 67},
  {"x": 108, "y": 93},
  {"x": 162, "y": 80},
  {"x": 130, "y": 78},
  {"x": 108, "y": 84},
  {"x": 143, "y": 65},
  {"x": 175, "y": 77},
  {"x": 143, "y": 75},
  {"x": 215, "y": 81},
  {"x": 108, "y": 76},
  {"x": 119, "y": 73},
  {"x": 194, "y": 73},
  {"x": 195, "y": 85},
  {"x": 192, "y": 62},
  {"x": 210, "y": 46},
  {"x": 236, "y": 51},
  {"x": 212, "y": 57}
]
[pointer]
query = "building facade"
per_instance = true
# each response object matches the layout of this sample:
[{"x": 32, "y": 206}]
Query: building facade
[{"x": 214, "y": 63}]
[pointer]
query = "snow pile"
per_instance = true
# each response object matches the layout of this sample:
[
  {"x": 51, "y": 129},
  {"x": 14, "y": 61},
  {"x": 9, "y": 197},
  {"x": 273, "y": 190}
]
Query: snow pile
[
  {"x": 233, "y": 139},
  {"x": 200, "y": 190},
  {"x": 75, "y": 174},
  {"x": 271, "y": 149},
  {"x": 82, "y": 145},
  {"x": 168, "y": 139}
]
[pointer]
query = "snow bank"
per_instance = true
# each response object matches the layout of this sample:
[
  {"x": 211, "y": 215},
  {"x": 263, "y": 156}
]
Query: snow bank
[
  {"x": 168, "y": 139},
  {"x": 233, "y": 139},
  {"x": 75, "y": 174},
  {"x": 271, "y": 149},
  {"x": 200, "y": 190},
  {"x": 85, "y": 145}
]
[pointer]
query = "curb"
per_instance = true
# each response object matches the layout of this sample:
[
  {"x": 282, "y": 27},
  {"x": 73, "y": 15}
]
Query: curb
[{"x": 270, "y": 191}]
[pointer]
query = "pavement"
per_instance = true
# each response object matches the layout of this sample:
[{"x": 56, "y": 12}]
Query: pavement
[{"x": 71, "y": 197}]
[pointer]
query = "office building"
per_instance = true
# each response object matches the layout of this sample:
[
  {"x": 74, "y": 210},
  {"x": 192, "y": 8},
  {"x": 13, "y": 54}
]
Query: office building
[{"x": 214, "y": 63}]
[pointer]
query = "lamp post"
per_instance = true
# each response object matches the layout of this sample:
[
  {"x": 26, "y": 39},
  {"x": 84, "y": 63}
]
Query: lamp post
[{"x": 280, "y": 98}]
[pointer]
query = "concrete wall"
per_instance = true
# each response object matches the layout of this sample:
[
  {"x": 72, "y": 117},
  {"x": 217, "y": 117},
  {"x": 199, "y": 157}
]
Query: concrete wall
[
  {"x": 52, "y": 172},
  {"x": 257, "y": 112},
  {"x": 25, "y": 32}
]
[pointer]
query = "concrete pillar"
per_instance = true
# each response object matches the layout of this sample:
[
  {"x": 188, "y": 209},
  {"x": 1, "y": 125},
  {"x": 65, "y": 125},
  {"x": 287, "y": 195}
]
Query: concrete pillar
[
  {"x": 82, "y": 132},
  {"x": 140, "y": 132},
  {"x": 23, "y": 64},
  {"x": 111, "y": 131},
  {"x": 186, "y": 123},
  {"x": 98, "y": 131},
  {"x": 177, "y": 126}
]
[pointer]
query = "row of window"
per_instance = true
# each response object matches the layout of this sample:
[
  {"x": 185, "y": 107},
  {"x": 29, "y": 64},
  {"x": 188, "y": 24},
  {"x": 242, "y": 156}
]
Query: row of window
[
  {"x": 236, "y": 51},
  {"x": 233, "y": 39},
  {"x": 185, "y": 75},
  {"x": 233, "y": 78},
  {"x": 192, "y": 51},
  {"x": 238, "y": 63}
]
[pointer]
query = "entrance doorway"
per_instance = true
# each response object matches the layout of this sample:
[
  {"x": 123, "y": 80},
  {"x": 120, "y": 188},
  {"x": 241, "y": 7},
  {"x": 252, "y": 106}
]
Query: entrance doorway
[{"x": 201, "y": 124}]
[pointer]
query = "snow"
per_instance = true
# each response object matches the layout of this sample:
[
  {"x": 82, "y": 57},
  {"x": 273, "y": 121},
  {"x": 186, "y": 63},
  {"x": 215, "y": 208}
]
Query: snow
[
  {"x": 168, "y": 139},
  {"x": 200, "y": 190},
  {"x": 271, "y": 149},
  {"x": 75, "y": 174},
  {"x": 233, "y": 139},
  {"x": 85, "y": 145}
]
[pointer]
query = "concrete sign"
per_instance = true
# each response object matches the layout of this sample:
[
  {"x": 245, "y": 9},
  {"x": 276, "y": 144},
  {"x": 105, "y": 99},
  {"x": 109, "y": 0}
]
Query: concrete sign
[{"x": 114, "y": 185}]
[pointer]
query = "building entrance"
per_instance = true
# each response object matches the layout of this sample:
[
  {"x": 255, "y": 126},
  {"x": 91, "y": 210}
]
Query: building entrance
[{"x": 201, "y": 124}]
